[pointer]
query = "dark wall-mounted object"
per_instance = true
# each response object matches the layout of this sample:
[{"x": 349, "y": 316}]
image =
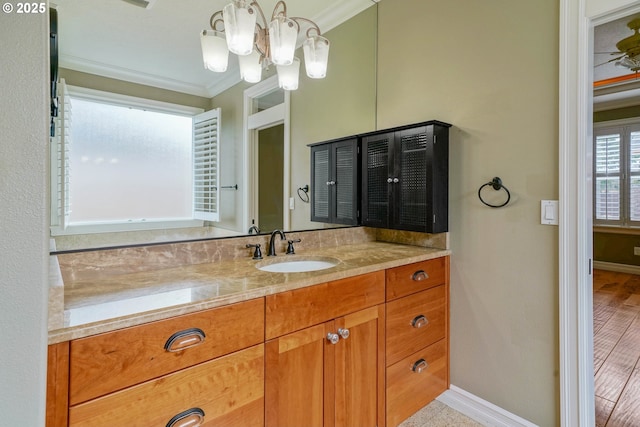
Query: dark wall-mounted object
[
  {"x": 335, "y": 182},
  {"x": 402, "y": 177},
  {"x": 496, "y": 184},
  {"x": 405, "y": 178},
  {"x": 53, "y": 68}
]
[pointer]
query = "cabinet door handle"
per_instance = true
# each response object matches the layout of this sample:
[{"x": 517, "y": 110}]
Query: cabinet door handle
[
  {"x": 190, "y": 418},
  {"x": 331, "y": 183},
  {"x": 419, "y": 366},
  {"x": 419, "y": 321},
  {"x": 419, "y": 275},
  {"x": 333, "y": 338},
  {"x": 344, "y": 333},
  {"x": 183, "y": 340}
]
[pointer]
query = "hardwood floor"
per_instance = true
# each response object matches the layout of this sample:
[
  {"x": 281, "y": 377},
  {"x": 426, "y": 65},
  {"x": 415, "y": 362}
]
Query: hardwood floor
[{"x": 616, "y": 328}]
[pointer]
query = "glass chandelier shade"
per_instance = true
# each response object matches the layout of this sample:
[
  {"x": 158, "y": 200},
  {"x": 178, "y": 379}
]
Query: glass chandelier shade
[
  {"x": 316, "y": 56},
  {"x": 214, "y": 51},
  {"x": 283, "y": 34},
  {"x": 288, "y": 75},
  {"x": 236, "y": 29},
  {"x": 251, "y": 67},
  {"x": 239, "y": 26}
]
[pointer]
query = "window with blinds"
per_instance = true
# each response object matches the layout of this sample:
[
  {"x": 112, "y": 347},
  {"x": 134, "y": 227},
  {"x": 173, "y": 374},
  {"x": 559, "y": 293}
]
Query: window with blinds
[
  {"x": 134, "y": 164},
  {"x": 59, "y": 147},
  {"x": 616, "y": 195},
  {"x": 206, "y": 171}
]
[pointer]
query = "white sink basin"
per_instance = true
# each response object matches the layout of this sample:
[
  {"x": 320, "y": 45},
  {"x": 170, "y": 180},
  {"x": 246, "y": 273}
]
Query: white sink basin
[{"x": 298, "y": 265}]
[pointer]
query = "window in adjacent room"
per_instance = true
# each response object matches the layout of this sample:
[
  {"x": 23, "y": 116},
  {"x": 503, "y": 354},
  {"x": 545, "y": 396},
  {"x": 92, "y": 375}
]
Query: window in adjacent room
[
  {"x": 617, "y": 173},
  {"x": 132, "y": 164}
]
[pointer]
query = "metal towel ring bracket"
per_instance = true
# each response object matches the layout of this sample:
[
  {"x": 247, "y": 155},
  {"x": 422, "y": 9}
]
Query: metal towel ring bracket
[{"x": 496, "y": 183}]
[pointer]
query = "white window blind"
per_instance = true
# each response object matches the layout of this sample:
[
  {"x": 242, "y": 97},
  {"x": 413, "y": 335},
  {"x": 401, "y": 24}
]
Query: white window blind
[
  {"x": 617, "y": 174},
  {"x": 59, "y": 148},
  {"x": 206, "y": 162}
]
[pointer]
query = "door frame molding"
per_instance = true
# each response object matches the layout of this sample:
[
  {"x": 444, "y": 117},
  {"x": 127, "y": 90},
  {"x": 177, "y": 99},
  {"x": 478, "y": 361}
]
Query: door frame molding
[{"x": 252, "y": 122}]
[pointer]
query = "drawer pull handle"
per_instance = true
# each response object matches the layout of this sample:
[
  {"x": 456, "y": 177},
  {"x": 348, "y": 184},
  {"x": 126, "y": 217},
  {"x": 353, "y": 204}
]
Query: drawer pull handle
[
  {"x": 420, "y": 275},
  {"x": 190, "y": 418},
  {"x": 344, "y": 333},
  {"x": 419, "y": 321},
  {"x": 333, "y": 338},
  {"x": 183, "y": 340},
  {"x": 419, "y": 366}
]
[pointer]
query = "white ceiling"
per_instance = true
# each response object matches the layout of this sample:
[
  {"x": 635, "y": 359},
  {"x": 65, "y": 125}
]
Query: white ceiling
[
  {"x": 604, "y": 46},
  {"x": 160, "y": 46}
]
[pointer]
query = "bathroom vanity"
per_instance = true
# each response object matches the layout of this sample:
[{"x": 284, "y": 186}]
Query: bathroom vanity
[{"x": 365, "y": 342}]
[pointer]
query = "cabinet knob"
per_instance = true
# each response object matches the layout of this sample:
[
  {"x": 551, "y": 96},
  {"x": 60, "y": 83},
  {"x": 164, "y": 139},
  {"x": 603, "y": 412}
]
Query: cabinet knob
[
  {"x": 331, "y": 183},
  {"x": 344, "y": 333},
  {"x": 396, "y": 180},
  {"x": 333, "y": 338},
  {"x": 419, "y": 366},
  {"x": 419, "y": 275},
  {"x": 419, "y": 321},
  {"x": 190, "y": 418},
  {"x": 182, "y": 340},
  {"x": 389, "y": 180}
]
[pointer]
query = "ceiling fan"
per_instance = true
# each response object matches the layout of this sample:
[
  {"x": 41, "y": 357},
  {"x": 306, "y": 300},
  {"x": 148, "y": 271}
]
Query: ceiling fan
[{"x": 628, "y": 49}]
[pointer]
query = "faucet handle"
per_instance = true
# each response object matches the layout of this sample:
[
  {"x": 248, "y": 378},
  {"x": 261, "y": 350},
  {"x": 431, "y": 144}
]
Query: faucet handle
[
  {"x": 257, "y": 254},
  {"x": 290, "y": 249}
]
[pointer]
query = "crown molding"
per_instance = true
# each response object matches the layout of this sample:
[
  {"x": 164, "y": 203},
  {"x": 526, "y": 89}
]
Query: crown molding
[
  {"x": 129, "y": 75},
  {"x": 332, "y": 17}
]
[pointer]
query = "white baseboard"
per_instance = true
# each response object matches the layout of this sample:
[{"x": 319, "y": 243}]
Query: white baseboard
[
  {"x": 612, "y": 266},
  {"x": 480, "y": 410}
]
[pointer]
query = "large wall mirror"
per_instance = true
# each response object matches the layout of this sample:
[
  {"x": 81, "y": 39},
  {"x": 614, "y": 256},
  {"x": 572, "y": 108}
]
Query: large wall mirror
[{"x": 123, "y": 48}]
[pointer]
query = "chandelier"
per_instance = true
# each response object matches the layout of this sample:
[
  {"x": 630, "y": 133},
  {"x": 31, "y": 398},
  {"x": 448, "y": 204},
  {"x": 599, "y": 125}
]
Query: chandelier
[{"x": 236, "y": 29}]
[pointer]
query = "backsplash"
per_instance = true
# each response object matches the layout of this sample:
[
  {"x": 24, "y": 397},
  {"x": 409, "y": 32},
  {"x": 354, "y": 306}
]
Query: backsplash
[{"x": 104, "y": 262}]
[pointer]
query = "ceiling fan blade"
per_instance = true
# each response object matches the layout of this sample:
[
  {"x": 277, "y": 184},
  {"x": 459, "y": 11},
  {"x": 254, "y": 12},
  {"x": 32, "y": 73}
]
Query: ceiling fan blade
[{"x": 611, "y": 60}]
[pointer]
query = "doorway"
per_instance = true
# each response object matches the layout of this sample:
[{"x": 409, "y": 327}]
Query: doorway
[
  {"x": 270, "y": 178},
  {"x": 267, "y": 167}
]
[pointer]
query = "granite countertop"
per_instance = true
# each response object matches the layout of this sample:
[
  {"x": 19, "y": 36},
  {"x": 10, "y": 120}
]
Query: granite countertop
[{"x": 115, "y": 301}]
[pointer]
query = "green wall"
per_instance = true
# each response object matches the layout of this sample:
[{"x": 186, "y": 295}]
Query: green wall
[{"x": 491, "y": 70}]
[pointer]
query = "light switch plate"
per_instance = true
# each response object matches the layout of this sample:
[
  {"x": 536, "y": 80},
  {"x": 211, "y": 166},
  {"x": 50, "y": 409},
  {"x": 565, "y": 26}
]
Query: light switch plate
[{"x": 549, "y": 212}]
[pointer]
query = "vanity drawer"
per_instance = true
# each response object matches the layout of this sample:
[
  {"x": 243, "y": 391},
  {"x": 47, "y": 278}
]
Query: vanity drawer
[
  {"x": 415, "y": 381},
  {"x": 414, "y": 322},
  {"x": 229, "y": 391},
  {"x": 115, "y": 360},
  {"x": 411, "y": 278},
  {"x": 300, "y": 308}
]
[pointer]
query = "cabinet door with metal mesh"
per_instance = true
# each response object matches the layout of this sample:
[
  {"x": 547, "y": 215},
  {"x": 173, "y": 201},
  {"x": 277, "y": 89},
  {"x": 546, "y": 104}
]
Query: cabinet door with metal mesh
[
  {"x": 413, "y": 155},
  {"x": 376, "y": 171},
  {"x": 345, "y": 178},
  {"x": 320, "y": 183}
]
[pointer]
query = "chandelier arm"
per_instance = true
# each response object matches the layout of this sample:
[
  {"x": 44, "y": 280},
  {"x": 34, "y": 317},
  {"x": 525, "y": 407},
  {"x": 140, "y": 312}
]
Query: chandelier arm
[
  {"x": 313, "y": 26},
  {"x": 213, "y": 21},
  {"x": 276, "y": 13},
  {"x": 264, "y": 20}
]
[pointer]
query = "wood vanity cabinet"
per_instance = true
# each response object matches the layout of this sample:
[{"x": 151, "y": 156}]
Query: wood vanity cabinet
[
  {"x": 417, "y": 336},
  {"x": 325, "y": 354},
  {"x": 334, "y": 182},
  {"x": 405, "y": 178},
  {"x": 208, "y": 365}
]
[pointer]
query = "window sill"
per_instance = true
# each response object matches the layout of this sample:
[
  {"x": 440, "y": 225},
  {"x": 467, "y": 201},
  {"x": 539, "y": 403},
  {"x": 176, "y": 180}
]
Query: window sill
[
  {"x": 615, "y": 229},
  {"x": 96, "y": 228}
]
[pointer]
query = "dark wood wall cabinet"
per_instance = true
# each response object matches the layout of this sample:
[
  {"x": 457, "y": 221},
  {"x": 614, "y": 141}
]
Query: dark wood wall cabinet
[
  {"x": 334, "y": 182},
  {"x": 399, "y": 178}
]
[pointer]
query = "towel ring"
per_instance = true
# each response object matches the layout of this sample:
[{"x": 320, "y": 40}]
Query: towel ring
[{"x": 496, "y": 183}]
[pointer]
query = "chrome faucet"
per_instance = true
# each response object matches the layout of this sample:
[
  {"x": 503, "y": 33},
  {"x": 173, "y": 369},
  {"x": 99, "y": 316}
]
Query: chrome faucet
[
  {"x": 272, "y": 246},
  {"x": 255, "y": 229}
]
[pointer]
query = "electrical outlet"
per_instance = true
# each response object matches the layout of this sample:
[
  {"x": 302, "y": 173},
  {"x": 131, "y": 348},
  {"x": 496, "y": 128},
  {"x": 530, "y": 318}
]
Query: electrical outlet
[
  {"x": 292, "y": 203},
  {"x": 636, "y": 250}
]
